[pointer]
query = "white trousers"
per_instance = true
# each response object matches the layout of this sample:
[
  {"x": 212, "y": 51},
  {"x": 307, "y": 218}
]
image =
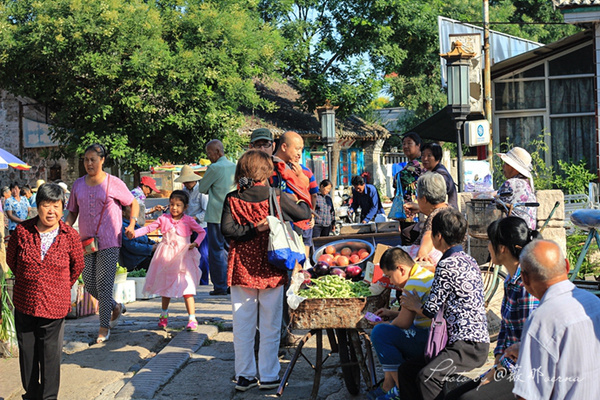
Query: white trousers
[{"x": 247, "y": 305}]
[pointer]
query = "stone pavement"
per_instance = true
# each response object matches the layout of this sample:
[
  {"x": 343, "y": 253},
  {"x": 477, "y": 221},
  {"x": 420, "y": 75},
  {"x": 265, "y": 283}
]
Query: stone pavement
[{"x": 143, "y": 362}]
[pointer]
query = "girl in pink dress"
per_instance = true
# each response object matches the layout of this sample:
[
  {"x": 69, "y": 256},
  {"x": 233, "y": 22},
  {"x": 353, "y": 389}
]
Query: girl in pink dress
[{"x": 174, "y": 271}]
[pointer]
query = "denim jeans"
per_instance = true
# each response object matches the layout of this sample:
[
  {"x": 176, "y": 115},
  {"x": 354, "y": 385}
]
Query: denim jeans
[
  {"x": 395, "y": 345},
  {"x": 217, "y": 257}
]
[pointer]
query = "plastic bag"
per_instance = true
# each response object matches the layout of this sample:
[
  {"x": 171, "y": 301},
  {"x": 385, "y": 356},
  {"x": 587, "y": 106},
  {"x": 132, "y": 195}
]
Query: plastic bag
[{"x": 293, "y": 299}]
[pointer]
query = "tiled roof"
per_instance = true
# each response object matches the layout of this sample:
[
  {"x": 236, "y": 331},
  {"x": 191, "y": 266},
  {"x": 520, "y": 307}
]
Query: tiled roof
[
  {"x": 289, "y": 117},
  {"x": 575, "y": 3}
]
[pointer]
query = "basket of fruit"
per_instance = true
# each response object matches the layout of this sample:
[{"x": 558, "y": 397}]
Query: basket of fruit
[{"x": 347, "y": 256}]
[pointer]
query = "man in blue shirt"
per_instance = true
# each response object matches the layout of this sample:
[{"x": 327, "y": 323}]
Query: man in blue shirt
[{"x": 365, "y": 197}]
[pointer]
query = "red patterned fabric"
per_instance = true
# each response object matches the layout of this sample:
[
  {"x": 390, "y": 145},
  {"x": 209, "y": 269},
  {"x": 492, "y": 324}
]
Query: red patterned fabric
[
  {"x": 247, "y": 262},
  {"x": 43, "y": 288}
]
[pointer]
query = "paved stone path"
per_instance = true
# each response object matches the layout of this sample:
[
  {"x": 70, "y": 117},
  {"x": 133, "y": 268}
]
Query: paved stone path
[{"x": 142, "y": 362}]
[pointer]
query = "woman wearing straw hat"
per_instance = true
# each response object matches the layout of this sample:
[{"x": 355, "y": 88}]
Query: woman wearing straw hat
[{"x": 519, "y": 184}]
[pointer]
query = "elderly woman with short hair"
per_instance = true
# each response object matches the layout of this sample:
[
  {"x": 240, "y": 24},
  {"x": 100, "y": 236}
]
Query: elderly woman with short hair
[
  {"x": 46, "y": 257},
  {"x": 431, "y": 199}
]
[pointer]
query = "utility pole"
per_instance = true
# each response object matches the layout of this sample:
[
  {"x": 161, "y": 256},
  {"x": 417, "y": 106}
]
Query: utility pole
[{"x": 487, "y": 77}]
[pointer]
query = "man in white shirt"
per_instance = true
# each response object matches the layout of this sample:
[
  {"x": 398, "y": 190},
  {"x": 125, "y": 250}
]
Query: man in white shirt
[{"x": 558, "y": 354}]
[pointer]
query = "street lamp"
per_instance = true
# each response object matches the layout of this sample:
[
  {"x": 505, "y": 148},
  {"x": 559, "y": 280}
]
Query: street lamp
[
  {"x": 327, "y": 114},
  {"x": 457, "y": 64}
]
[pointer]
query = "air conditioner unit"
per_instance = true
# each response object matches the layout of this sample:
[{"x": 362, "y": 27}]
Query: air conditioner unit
[{"x": 477, "y": 133}]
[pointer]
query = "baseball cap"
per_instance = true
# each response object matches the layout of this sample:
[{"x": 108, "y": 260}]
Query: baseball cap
[
  {"x": 150, "y": 182},
  {"x": 261, "y": 134}
]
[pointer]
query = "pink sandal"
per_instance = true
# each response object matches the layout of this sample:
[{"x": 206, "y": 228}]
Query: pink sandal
[{"x": 192, "y": 325}]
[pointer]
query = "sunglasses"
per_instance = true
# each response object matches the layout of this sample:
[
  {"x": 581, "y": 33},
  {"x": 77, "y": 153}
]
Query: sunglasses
[{"x": 262, "y": 146}]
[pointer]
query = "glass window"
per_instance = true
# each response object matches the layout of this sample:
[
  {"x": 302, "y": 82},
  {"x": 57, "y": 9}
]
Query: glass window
[
  {"x": 578, "y": 62},
  {"x": 520, "y": 95},
  {"x": 571, "y": 95},
  {"x": 520, "y": 131},
  {"x": 535, "y": 72},
  {"x": 574, "y": 139},
  {"x": 351, "y": 164}
]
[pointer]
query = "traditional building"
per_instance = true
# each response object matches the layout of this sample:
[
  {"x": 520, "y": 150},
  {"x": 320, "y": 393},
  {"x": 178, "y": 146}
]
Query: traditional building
[{"x": 356, "y": 151}]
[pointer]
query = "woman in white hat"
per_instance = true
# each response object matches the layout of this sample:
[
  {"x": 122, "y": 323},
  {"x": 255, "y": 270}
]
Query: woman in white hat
[{"x": 519, "y": 184}]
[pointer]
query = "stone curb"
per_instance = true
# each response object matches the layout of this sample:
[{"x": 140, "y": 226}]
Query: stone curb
[{"x": 148, "y": 381}]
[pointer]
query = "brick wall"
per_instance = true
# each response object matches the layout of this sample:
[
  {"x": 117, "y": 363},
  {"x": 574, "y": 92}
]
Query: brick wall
[{"x": 37, "y": 157}]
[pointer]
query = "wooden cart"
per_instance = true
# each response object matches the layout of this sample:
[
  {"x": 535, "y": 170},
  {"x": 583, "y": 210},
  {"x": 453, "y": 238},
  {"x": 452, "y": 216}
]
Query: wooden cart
[{"x": 344, "y": 324}]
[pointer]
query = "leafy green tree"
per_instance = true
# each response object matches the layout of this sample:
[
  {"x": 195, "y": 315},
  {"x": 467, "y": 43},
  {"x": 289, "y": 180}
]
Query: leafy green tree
[
  {"x": 153, "y": 80},
  {"x": 328, "y": 52}
]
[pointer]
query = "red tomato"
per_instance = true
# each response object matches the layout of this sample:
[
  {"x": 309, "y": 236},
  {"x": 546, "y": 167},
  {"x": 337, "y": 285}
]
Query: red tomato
[
  {"x": 346, "y": 251},
  {"x": 330, "y": 250},
  {"x": 328, "y": 258},
  {"x": 354, "y": 259},
  {"x": 342, "y": 261}
]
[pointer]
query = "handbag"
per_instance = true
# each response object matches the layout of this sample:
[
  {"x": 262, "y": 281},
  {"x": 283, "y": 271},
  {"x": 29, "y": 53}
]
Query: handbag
[
  {"x": 90, "y": 245},
  {"x": 285, "y": 247},
  {"x": 397, "y": 210},
  {"x": 438, "y": 336}
]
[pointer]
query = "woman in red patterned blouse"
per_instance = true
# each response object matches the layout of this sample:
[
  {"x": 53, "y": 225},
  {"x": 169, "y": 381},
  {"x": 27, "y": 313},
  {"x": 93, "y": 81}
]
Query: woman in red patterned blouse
[
  {"x": 256, "y": 286},
  {"x": 46, "y": 257}
]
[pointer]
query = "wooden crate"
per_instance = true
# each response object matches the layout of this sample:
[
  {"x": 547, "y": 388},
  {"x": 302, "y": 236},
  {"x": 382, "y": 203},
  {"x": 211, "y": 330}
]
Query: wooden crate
[
  {"x": 337, "y": 313},
  {"x": 350, "y": 229},
  {"x": 388, "y": 226}
]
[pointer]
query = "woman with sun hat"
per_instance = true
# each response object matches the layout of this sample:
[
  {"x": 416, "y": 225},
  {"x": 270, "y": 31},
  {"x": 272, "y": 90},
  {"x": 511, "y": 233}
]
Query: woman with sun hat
[{"x": 519, "y": 184}]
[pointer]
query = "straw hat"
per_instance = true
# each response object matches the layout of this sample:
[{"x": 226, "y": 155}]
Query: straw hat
[
  {"x": 187, "y": 175},
  {"x": 38, "y": 183},
  {"x": 519, "y": 159},
  {"x": 64, "y": 187}
]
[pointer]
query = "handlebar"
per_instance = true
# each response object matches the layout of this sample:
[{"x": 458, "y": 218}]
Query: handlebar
[
  {"x": 526, "y": 204},
  {"x": 502, "y": 205}
]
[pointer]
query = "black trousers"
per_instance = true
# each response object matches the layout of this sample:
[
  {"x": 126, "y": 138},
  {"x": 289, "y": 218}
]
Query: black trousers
[
  {"x": 319, "y": 230},
  {"x": 420, "y": 379},
  {"x": 498, "y": 389},
  {"x": 40, "y": 351}
]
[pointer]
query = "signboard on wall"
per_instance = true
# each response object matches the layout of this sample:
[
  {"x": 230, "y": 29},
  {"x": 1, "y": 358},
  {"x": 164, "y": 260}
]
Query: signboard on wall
[{"x": 36, "y": 134}]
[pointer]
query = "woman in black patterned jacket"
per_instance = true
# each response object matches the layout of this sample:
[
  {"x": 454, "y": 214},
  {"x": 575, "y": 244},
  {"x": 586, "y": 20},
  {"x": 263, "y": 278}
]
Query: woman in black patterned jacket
[{"x": 458, "y": 287}]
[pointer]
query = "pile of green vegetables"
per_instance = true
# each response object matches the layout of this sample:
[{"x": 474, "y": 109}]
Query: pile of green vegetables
[{"x": 333, "y": 286}]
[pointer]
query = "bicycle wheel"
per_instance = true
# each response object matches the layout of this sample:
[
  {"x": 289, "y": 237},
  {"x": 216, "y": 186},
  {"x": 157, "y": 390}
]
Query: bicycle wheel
[
  {"x": 347, "y": 353},
  {"x": 494, "y": 318},
  {"x": 489, "y": 275}
]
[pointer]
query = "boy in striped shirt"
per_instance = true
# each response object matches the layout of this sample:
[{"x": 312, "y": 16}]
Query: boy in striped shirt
[{"x": 405, "y": 336}]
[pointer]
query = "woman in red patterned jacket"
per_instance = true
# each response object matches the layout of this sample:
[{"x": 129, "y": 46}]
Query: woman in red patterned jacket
[
  {"x": 46, "y": 258},
  {"x": 256, "y": 286}
]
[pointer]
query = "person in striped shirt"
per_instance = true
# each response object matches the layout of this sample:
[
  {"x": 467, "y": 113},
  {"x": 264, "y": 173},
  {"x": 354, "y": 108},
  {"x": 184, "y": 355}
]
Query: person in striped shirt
[{"x": 405, "y": 335}]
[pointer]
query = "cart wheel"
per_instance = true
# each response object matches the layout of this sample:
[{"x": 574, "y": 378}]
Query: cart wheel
[{"x": 348, "y": 355}]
